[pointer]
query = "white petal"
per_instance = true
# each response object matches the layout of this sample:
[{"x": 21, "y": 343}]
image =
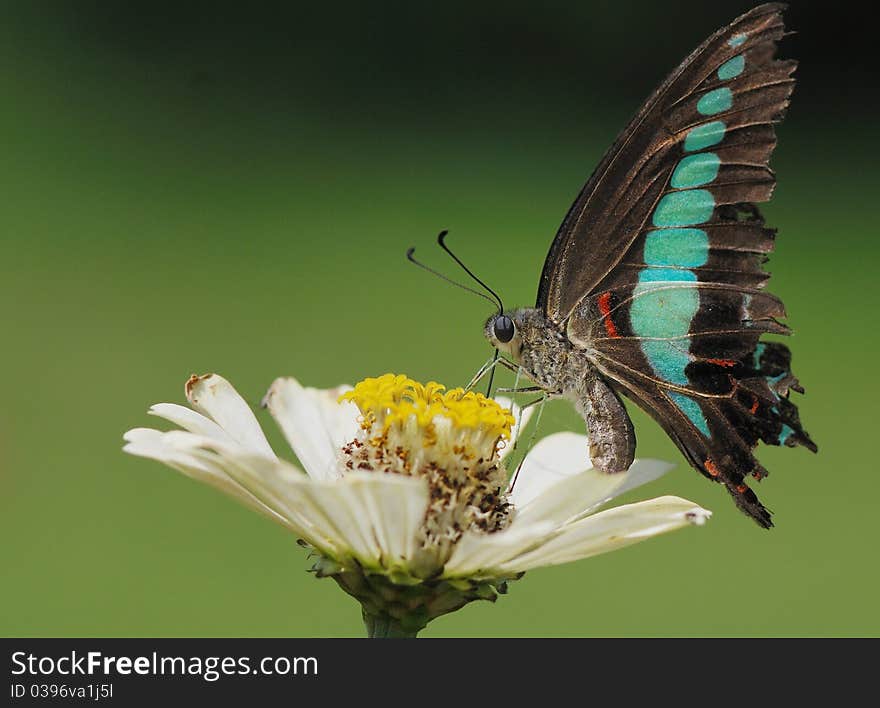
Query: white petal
[
  {"x": 522, "y": 418},
  {"x": 640, "y": 472},
  {"x": 214, "y": 396},
  {"x": 609, "y": 530},
  {"x": 581, "y": 494},
  {"x": 551, "y": 460},
  {"x": 371, "y": 517},
  {"x": 394, "y": 508},
  {"x": 178, "y": 450},
  {"x": 270, "y": 486},
  {"x": 314, "y": 423},
  {"x": 189, "y": 419},
  {"x": 558, "y": 482},
  {"x": 278, "y": 485},
  {"x": 540, "y": 519},
  {"x": 479, "y": 554}
]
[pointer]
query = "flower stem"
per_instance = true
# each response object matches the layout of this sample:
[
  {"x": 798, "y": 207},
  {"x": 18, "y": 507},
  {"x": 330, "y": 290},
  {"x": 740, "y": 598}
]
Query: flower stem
[{"x": 383, "y": 626}]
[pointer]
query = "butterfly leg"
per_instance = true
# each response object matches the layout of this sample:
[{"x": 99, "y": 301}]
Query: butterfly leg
[
  {"x": 489, "y": 366},
  {"x": 521, "y": 389},
  {"x": 611, "y": 433},
  {"x": 538, "y": 401}
]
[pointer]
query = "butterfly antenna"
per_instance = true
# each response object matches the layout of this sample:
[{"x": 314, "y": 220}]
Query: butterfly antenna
[
  {"x": 495, "y": 299},
  {"x": 441, "y": 239},
  {"x": 411, "y": 259}
]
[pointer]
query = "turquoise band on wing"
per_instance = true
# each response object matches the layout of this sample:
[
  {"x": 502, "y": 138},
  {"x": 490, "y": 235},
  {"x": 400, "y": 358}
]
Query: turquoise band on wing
[
  {"x": 665, "y": 300},
  {"x": 664, "y": 303},
  {"x": 756, "y": 357},
  {"x": 688, "y": 208},
  {"x": 665, "y": 275},
  {"x": 677, "y": 248},
  {"x": 663, "y": 306},
  {"x": 732, "y": 68},
  {"x": 715, "y": 101},
  {"x": 696, "y": 170},
  {"x": 692, "y": 410},
  {"x": 667, "y": 362},
  {"x": 704, "y": 136},
  {"x": 785, "y": 434},
  {"x": 663, "y": 311}
]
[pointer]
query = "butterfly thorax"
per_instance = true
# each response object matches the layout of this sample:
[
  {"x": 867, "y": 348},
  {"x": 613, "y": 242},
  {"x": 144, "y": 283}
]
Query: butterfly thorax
[{"x": 546, "y": 355}]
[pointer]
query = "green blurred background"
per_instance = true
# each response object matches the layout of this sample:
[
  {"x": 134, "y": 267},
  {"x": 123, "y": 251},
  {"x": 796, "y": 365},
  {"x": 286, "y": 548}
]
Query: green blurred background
[{"x": 200, "y": 187}]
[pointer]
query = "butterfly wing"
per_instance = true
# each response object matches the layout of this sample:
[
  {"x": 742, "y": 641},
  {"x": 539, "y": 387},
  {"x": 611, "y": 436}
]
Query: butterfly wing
[
  {"x": 657, "y": 268},
  {"x": 728, "y": 91},
  {"x": 721, "y": 414}
]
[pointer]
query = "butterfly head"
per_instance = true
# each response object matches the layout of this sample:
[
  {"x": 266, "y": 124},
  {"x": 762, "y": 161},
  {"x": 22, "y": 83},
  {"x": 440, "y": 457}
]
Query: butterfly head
[{"x": 503, "y": 332}]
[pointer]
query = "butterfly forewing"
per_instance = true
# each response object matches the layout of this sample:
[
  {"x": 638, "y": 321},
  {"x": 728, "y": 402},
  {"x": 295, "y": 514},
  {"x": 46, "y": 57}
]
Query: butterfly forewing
[
  {"x": 687, "y": 113},
  {"x": 657, "y": 269}
]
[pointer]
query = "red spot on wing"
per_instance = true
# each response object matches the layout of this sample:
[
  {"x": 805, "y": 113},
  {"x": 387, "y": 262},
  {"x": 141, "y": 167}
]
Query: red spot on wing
[
  {"x": 710, "y": 467},
  {"x": 742, "y": 488},
  {"x": 723, "y": 362},
  {"x": 754, "y": 408},
  {"x": 605, "y": 310}
]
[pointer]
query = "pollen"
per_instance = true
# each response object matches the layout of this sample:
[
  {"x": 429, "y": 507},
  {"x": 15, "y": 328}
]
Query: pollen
[
  {"x": 397, "y": 400},
  {"x": 449, "y": 437}
]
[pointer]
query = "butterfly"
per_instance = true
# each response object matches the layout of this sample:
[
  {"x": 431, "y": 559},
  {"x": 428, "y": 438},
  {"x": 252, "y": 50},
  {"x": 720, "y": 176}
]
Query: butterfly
[{"x": 653, "y": 288}]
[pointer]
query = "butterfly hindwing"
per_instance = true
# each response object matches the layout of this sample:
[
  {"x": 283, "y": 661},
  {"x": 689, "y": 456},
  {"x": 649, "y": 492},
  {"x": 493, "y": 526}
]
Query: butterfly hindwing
[
  {"x": 741, "y": 403},
  {"x": 657, "y": 270}
]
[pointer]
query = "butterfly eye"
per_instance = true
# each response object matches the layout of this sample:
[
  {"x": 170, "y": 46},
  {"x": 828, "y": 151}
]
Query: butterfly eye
[{"x": 504, "y": 329}]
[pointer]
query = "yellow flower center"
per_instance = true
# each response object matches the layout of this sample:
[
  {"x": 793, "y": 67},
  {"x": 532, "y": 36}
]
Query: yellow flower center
[
  {"x": 395, "y": 399},
  {"x": 451, "y": 439}
]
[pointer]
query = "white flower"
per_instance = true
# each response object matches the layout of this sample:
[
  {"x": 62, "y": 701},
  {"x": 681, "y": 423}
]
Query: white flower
[{"x": 405, "y": 485}]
